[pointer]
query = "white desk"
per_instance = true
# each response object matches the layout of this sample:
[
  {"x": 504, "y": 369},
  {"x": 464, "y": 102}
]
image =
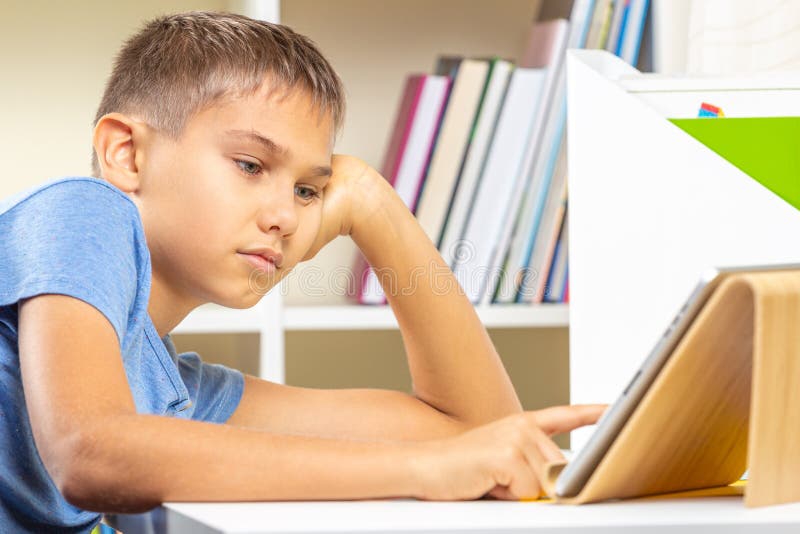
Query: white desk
[{"x": 708, "y": 514}]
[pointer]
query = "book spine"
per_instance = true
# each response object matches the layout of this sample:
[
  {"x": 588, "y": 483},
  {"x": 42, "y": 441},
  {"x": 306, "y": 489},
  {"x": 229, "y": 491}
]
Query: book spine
[
  {"x": 439, "y": 114},
  {"x": 548, "y": 259},
  {"x": 402, "y": 126},
  {"x": 413, "y": 160},
  {"x": 623, "y": 27},
  {"x": 474, "y": 161}
]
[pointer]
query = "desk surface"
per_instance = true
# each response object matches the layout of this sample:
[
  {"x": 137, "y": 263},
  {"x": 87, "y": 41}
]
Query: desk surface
[{"x": 709, "y": 514}]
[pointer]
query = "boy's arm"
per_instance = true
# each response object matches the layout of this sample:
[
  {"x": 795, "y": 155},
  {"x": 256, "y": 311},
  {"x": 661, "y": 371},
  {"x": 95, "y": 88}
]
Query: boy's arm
[
  {"x": 105, "y": 457},
  {"x": 453, "y": 363},
  {"x": 361, "y": 414}
]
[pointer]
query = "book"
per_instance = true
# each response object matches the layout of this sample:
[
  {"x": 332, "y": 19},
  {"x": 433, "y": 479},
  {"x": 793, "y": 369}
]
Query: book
[
  {"x": 500, "y": 181},
  {"x": 631, "y": 38},
  {"x": 367, "y": 287},
  {"x": 440, "y": 183},
  {"x": 516, "y": 258},
  {"x": 407, "y": 156},
  {"x": 532, "y": 279},
  {"x": 409, "y": 101},
  {"x": 481, "y": 135},
  {"x": 421, "y": 139},
  {"x": 601, "y": 21},
  {"x": 447, "y": 65},
  {"x": 546, "y": 47},
  {"x": 555, "y": 287},
  {"x": 623, "y": 23},
  {"x": 615, "y": 31},
  {"x": 580, "y": 19}
]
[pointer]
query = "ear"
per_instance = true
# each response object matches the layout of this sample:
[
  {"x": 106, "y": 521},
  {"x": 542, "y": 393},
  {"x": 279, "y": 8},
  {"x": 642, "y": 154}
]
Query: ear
[{"x": 119, "y": 144}]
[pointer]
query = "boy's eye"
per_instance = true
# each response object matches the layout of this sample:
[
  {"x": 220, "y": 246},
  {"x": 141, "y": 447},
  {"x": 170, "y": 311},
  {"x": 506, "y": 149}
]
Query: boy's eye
[
  {"x": 248, "y": 167},
  {"x": 306, "y": 193}
]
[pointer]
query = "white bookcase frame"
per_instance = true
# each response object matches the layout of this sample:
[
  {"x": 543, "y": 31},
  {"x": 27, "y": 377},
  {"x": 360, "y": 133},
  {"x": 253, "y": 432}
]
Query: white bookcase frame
[{"x": 271, "y": 319}]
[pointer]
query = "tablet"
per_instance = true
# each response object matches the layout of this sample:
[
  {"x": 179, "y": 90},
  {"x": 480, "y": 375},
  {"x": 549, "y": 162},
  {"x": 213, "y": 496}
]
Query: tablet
[{"x": 574, "y": 476}]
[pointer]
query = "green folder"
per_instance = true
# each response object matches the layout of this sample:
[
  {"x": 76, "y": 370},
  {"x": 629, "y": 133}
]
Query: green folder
[{"x": 765, "y": 148}]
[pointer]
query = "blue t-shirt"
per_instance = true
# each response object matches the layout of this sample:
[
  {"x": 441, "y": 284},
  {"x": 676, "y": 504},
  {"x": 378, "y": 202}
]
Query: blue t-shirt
[{"x": 83, "y": 237}]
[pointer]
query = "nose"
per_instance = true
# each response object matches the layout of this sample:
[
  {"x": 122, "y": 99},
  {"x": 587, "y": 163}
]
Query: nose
[{"x": 278, "y": 212}]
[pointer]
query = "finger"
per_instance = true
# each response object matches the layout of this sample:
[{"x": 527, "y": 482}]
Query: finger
[
  {"x": 545, "y": 452},
  {"x": 560, "y": 419},
  {"x": 550, "y": 451},
  {"x": 528, "y": 485},
  {"x": 501, "y": 493},
  {"x": 525, "y": 485}
]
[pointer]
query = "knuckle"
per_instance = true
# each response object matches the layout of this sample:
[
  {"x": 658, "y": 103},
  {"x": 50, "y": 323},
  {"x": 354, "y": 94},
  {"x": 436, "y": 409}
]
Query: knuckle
[
  {"x": 531, "y": 419},
  {"x": 518, "y": 424},
  {"x": 511, "y": 453}
]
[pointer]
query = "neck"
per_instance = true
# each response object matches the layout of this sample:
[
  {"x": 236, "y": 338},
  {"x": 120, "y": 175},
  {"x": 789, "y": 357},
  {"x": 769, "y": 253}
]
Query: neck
[{"x": 167, "y": 308}]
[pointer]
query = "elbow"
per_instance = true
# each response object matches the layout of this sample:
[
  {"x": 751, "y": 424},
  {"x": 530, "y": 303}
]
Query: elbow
[
  {"x": 76, "y": 473},
  {"x": 86, "y": 473}
]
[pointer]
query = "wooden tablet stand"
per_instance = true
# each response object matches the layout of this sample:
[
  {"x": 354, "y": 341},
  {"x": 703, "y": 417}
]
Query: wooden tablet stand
[{"x": 699, "y": 425}]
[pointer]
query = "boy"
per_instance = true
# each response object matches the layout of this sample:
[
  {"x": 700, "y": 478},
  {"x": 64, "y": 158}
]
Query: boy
[{"x": 213, "y": 143}]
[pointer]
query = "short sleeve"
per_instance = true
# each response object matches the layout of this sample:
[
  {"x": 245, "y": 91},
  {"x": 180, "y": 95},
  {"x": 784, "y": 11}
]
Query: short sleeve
[
  {"x": 215, "y": 390},
  {"x": 76, "y": 237}
]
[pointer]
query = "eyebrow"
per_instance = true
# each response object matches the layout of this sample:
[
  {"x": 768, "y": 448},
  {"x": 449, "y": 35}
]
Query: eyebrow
[
  {"x": 274, "y": 148},
  {"x": 268, "y": 144}
]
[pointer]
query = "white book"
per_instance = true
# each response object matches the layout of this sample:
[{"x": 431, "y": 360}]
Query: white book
[
  {"x": 413, "y": 162},
  {"x": 462, "y": 105},
  {"x": 499, "y": 190},
  {"x": 475, "y": 159},
  {"x": 410, "y": 174}
]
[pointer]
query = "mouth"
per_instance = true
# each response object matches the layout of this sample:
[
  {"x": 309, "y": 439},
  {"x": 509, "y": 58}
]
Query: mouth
[{"x": 263, "y": 259}]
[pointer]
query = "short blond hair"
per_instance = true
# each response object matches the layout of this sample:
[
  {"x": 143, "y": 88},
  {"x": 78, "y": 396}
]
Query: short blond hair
[{"x": 178, "y": 64}]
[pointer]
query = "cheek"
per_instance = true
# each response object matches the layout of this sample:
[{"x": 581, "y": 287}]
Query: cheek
[{"x": 309, "y": 220}]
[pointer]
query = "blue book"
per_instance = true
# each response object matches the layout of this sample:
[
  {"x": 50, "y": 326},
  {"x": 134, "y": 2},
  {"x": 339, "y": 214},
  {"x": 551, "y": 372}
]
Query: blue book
[
  {"x": 632, "y": 35},
  {"x": 622, "y": 25}
]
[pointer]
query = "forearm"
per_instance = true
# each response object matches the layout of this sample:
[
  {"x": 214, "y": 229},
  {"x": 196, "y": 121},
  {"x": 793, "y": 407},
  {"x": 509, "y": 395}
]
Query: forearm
[
  {"x": 453, "y": 363},
  {"x": 144, "y": 460}
]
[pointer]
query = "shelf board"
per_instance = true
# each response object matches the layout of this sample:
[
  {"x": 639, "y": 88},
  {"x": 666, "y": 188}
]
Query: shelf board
[
  {"x": 216, "y": 319},
  {"x": 381, "y": 317}
]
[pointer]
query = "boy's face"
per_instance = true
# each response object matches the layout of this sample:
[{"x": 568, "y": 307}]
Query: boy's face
[{"x": 245, "y": 174}]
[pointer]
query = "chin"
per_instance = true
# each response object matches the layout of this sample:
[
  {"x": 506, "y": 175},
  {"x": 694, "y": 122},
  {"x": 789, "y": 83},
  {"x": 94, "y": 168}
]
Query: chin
[
  {"x": 240, "y": 302},
  {"x": 237, "y": 300}
]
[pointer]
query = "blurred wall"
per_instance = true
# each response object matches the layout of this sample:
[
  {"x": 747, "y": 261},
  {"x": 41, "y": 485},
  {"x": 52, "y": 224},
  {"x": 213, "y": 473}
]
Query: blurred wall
[{"x": 55, "y": 57}]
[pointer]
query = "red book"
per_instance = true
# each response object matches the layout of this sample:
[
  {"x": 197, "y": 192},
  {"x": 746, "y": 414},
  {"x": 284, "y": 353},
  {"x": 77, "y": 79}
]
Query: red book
[{"x": 409, "y": 101}]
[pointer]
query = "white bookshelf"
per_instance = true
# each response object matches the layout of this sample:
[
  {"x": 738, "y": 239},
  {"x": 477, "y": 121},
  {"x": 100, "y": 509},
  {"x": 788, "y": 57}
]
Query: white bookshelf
[
  {"x": 271, "y": 319},
  {"x": 216, "y": 319},
  {"x": 381, "y": 317}
]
